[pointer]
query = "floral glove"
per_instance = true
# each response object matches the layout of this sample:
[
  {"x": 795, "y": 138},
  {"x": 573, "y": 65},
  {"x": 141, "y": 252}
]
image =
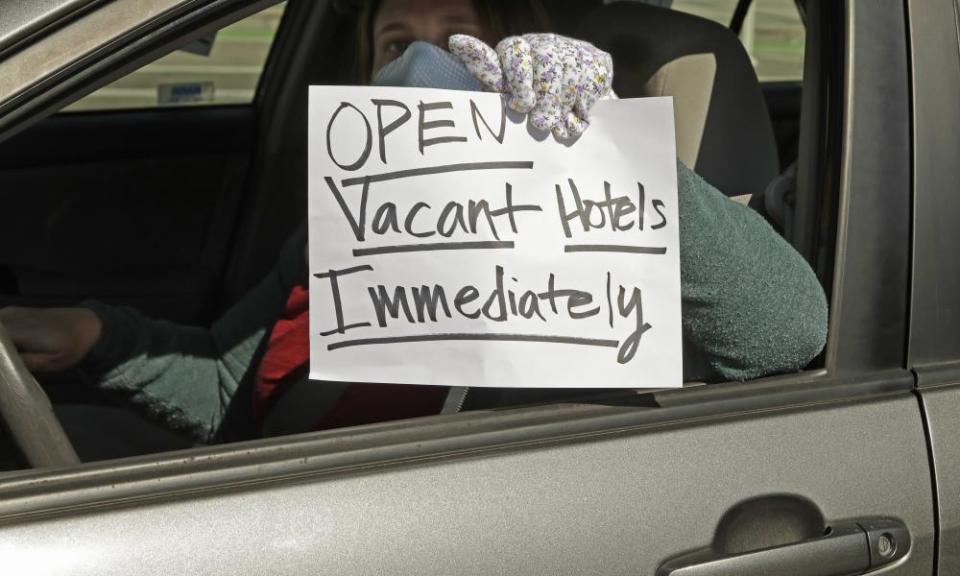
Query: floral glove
[{"x": 555, "y": 79}]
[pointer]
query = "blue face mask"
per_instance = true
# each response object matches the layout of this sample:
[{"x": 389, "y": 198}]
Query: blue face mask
[{"x": 423, "y": 65}]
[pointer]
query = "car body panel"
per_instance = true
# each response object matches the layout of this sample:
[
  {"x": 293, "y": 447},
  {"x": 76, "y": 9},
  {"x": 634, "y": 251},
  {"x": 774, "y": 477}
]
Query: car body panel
[
  {"x": 941, "y": 406},
  {"x": 618, "y": 501}
]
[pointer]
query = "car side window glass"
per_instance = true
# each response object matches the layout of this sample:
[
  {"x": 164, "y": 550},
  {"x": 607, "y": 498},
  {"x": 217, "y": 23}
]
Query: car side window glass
[
  {"x": 223, "y": 68},
  {"x": 772, "y": 33},
  {"x": 218, "y": 385}
]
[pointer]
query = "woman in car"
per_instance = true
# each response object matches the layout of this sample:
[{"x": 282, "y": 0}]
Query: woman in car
[{"x": 751, "y": 304}]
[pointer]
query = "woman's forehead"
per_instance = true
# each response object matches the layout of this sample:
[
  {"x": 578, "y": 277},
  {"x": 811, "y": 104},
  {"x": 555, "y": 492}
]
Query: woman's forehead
[{"x": 453, "y": 11}]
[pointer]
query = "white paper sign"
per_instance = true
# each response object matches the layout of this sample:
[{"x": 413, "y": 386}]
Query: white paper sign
[{"x": 450, "y": 244}]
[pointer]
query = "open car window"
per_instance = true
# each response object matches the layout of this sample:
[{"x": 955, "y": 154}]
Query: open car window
[
  {"x": 166, "y": 217},
  {"x": 221, "y": 68}
]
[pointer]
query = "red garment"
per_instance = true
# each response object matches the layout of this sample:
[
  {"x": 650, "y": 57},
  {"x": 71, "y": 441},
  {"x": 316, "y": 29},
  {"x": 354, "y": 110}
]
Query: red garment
[{"x": 287, "y": 360}]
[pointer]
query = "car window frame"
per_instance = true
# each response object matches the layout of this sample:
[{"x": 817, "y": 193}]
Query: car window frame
[
  {"x": 30, "y": 19},
  {"x": 851, "y": 372},
  {"x": 126, "y": 43},
  {"x": 934, "y": 348},
  {"x": 874, "y": 180}
]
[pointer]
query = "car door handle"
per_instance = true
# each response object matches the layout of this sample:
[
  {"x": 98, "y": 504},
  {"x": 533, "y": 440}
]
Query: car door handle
[{"x": 851, "y": 547}]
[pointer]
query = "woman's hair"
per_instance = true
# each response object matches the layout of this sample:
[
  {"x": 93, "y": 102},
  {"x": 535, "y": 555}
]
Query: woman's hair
[{"x": 502, "y": 17}]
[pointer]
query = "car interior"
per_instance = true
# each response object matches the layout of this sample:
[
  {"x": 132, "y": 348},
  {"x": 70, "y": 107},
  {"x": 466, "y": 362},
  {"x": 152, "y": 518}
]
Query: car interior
[{"x": 179, "y": 210}]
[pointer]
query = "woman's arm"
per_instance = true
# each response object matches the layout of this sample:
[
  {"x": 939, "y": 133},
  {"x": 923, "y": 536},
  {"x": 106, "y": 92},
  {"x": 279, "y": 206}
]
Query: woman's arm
[
  {"x": 752, "y": 305},
  {"x": 187, "y": 376}
]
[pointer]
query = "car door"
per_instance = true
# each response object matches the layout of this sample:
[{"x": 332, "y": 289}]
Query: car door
[
  {"x": 934, "y": 336},
  {"x": 823, "y": 472}
]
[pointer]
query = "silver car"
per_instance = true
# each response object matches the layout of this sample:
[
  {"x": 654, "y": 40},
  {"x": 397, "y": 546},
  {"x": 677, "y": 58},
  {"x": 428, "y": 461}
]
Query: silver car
[{"x": 152, "y": 153}]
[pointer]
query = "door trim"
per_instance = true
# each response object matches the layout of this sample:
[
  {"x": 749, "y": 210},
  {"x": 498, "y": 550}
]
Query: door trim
[
  {"x": 32, "y": 494},
  {"x": 935, "y": 307}
]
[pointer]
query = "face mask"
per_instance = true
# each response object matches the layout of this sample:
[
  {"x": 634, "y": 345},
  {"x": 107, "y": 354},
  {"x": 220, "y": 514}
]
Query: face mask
[{"x": 423, "y": 65}]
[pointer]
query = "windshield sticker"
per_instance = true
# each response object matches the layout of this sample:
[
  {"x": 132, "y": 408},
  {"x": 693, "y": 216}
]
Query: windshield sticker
[{"x": 185, "y": 93}]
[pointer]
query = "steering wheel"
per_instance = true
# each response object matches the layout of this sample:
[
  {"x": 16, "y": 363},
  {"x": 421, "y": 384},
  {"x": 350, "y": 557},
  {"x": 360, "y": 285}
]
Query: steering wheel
[{"x": 28, "y": 414}]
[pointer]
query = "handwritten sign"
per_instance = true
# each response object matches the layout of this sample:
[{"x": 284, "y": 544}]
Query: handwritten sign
[{"x": 451, "y": 244}]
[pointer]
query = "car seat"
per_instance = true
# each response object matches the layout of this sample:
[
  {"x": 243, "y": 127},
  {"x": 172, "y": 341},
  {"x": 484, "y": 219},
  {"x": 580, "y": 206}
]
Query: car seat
[{"x": 724, "y": 132}]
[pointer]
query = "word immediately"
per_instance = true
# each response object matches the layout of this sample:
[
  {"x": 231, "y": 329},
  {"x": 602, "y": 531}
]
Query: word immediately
[{"x": 430, "y": 304}]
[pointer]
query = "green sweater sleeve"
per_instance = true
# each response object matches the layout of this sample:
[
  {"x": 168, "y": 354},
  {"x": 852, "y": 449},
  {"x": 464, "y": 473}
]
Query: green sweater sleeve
[
  {"x": 752, "y": 306},
  {"x": 186, "y": 376}
]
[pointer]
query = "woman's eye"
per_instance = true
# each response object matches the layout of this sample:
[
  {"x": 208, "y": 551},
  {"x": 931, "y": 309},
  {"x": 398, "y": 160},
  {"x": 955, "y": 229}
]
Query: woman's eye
[{"x": 397, "y": 47}]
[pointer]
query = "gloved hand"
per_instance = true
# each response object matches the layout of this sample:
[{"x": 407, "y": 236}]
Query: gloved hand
[{"x": 555, "y": 79}]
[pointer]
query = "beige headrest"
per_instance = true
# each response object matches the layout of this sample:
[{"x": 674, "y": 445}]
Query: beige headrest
[{"x": 723, "y": 128}]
